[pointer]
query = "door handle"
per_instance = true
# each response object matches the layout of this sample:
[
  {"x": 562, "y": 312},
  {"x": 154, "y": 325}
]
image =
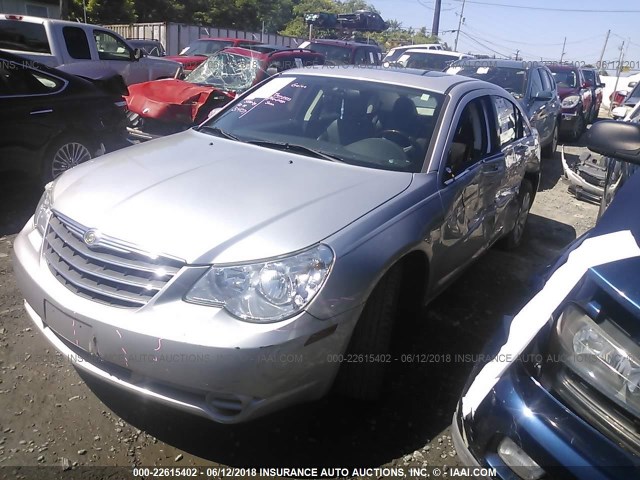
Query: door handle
[{"x": 40, "y": 112}]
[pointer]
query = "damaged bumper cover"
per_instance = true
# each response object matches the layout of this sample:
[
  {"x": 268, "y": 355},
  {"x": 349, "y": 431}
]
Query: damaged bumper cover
[{"x": 579, "y": 185}]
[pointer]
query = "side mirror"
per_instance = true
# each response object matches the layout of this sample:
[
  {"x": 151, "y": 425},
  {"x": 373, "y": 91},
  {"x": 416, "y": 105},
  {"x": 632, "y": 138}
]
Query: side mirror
[
  {"x": 587, "y": 84},
  {"x": 619, "y": 140},
  {"x": 632, "y": 84},
  {"x": 619, "y": 113},
  {"x": 271, "y": 71},
  {"x": 137, "y": 54},
  {"x": 601, "y": 85},
  {"x": 544, "y": 96}
]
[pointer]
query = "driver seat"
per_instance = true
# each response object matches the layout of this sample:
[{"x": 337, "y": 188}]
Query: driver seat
[
  {"x": 353, "y": 123},
  {"x": 404, "y": 117}
]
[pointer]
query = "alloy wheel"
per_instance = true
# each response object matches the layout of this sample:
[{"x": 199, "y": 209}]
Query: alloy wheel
[{"x": 67, "y": 156}]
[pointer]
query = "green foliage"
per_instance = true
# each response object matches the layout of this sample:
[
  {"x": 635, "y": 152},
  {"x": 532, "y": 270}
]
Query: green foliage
[{"x": 283, "y": 16}]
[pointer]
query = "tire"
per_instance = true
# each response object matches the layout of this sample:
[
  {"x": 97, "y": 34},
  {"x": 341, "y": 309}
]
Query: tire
[
  {"x": 63, "y": 154},
  {"x": 579, "y": 128},
  {"x": 513, "y": 239},
  {"x": 550, "y": 150},
  {"x": 371, "y": 336}
]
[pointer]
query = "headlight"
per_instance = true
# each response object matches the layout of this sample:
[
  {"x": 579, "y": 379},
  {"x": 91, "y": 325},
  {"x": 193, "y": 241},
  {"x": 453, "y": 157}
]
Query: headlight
[
  {"x": 43, "y": 210},
  {"x": 571, "y": 101},
  {"x": 266, "y": 291},
  {"x": 602, "y": 355}
]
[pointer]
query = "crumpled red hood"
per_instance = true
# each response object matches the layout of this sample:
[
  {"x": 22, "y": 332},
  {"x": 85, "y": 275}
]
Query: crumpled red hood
[{"x": 173, "y": 100}]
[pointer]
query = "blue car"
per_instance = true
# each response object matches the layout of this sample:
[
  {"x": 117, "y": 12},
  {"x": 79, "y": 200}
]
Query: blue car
[{"x": 556, "y": 393}]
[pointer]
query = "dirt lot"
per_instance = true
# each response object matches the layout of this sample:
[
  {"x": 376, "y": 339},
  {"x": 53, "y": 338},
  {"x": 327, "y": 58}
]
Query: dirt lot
[{"x": 52, "y": 416}]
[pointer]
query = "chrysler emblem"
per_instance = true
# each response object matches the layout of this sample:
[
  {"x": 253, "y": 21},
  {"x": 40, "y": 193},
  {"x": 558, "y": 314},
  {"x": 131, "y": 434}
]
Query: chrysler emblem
[{"x": 90, "y": 237}]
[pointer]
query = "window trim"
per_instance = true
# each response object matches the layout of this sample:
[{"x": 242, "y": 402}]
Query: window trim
[{"x": 63, "y": 81}]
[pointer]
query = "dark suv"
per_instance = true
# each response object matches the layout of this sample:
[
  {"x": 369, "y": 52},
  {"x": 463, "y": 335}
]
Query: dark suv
[
  {"x": 559, "y": 394},
  {"x": 531, "y": 84},
  {"x": 576, "y": 97},
  {"x": 340, "y": 52}
]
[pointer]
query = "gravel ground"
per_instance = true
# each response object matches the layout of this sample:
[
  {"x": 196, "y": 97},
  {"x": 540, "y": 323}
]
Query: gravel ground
[{"x": 52, "y": 416}]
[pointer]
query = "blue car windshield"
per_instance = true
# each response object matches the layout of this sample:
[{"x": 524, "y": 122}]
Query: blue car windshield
[{"x": 371, "y": 124}]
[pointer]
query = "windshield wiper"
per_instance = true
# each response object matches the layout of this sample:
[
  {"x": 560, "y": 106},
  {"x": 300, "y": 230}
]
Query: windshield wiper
[
  {"x": 295, "y": 148},
  {"x": 218, "y": 132}
]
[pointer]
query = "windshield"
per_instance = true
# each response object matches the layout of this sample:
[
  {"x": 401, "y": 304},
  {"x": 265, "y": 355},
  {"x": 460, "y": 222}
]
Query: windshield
[
  {"x": 565, "y": 78},
  {"x": 334, "y": 54},
  {"x": 205, "y": 47},
  {"x": 426, "y": 60},
  {"x": 513, "y": 80},
  {"x": 226, "y": 71},
  {"x": 370, "y": 124}
]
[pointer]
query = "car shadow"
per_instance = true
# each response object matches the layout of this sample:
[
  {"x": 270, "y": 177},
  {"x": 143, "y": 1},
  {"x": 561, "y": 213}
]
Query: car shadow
[
  {"x": 434, "y": 353},
  {"x": 19, "y": 196}
]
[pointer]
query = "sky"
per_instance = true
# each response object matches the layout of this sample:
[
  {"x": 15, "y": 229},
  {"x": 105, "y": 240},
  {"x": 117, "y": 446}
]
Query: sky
[{"x": 537, "y": 34}]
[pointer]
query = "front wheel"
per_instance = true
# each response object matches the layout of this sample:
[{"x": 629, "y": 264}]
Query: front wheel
[
  {"x": 579, "y": 128},
  {"x": 361, "y": 375},
  {"x": 64, "y": 154},
  {"x": 550, "y": 150},
  {"x": 513, "y": 239}
]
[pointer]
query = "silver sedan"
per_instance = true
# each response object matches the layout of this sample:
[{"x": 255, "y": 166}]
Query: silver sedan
[{"x": 259, "y": 260}]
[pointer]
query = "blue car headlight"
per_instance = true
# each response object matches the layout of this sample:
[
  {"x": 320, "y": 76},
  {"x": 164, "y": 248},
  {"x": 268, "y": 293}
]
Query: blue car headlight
[{"x": 267, "y": 291}]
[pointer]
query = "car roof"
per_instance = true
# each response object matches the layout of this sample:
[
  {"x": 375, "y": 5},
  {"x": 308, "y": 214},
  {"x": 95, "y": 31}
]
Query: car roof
[
  {"x": 495, "y": 63},
  {"x": 437, "y": 82},
  {"x": 274, "y": 54},
  {"x": 419, "y": 45},
  {"x": 344, "y": 43},
  {"x": 431, "y": 51},
  {"x": 562, "y": 68},
  {"x": 226, "y": 39}
]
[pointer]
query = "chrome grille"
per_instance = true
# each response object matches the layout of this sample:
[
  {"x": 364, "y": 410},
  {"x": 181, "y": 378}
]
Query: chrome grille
[{"x": 110, "y": 272}]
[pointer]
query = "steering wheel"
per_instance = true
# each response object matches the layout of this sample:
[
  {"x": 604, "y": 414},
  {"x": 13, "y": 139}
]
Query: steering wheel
[{"x": 403, "y": 140}]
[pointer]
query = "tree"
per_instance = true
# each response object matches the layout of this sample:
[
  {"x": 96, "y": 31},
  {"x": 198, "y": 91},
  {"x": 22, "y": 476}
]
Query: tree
[{"x": 110, "y": 11}]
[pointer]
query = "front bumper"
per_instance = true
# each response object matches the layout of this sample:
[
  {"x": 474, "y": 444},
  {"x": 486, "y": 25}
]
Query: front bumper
[
  {"x": 195, "y": 358},
  {"x": 563, "y": 444},
  {"x": 568, "y": 121}
]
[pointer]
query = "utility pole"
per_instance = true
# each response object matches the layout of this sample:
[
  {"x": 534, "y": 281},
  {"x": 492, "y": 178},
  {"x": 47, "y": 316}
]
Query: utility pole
[
  {"x": 455, "y": 47},
  {"x": 436, "y": 19},
  {"x": 604, "y": 47},
  {"x": 517, "y": 52},
  {"x": 563, "y": 52},
  {"x": 619, "y": 68}
]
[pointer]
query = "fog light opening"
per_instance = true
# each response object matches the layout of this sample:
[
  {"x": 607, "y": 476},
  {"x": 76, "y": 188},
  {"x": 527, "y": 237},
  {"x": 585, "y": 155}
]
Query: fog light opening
[{"x": 518, "y": 461}]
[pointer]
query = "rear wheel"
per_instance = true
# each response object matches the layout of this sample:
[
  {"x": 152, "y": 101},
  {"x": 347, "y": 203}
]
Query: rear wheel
[
  {"x": 371, "y": 338},
  {"x": 525, "y": 198},
  {"x": 64, "y": 154}
]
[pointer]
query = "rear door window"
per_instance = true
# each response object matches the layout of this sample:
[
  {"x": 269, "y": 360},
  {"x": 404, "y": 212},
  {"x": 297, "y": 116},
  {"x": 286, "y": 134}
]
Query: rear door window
[
  {"x": 508, "y": 120},
  {"x": 23, "y": 36},
  {"x": 18, "y": 80},
  {"x": 77, "y": 44}
]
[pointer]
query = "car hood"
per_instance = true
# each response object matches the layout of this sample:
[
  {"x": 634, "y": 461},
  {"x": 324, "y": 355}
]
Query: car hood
[
  {"x": 207, "y": 200},
  {"x": 566, "y": 91},
  {"x": 173, "y": 100},
  {"x": 188, "y": 60}
]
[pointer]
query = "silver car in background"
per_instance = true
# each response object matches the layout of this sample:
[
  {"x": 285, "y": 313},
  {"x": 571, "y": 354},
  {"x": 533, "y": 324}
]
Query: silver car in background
[{"x": 258, "y": 260}]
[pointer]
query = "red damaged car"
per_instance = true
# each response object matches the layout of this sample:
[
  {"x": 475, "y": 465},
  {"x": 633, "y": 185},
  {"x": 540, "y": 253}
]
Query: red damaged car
[
  {"x": 167, "y": 106},
  {"x": 198, "y": 50}
]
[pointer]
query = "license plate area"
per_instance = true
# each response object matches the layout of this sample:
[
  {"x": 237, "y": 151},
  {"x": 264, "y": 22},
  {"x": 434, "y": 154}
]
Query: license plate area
[{"x": 71, "y": 329}]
